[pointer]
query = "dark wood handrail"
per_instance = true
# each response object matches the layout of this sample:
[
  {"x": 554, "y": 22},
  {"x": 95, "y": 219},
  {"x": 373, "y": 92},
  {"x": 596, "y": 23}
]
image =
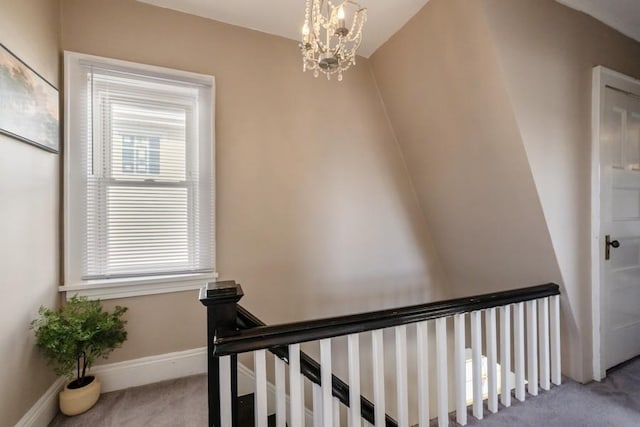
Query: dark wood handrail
[
  {"x": 271, "y": 337},
  {"x": 311, "y": 369}
]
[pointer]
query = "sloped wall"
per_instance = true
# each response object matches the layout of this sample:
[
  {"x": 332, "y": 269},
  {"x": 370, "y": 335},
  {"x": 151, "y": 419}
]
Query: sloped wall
[
  {"x": 441, "y": 84},
  {"x": 546, "y": 53},
  {"x": 490, "y": 101},
  {"x": 446, "y": 98}
]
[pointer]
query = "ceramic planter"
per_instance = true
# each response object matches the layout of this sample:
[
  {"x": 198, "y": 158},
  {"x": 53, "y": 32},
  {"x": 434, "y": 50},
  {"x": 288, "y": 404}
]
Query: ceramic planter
[{"x": 74, "y": 401}]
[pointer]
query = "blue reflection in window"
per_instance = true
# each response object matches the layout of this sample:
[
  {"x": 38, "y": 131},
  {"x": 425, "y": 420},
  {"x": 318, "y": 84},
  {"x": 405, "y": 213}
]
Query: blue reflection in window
[{"x": 140, "y": 155}]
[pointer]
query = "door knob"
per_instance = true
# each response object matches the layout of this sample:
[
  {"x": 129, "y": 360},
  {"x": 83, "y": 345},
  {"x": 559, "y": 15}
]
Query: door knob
[{"x": 608, "y": 244}]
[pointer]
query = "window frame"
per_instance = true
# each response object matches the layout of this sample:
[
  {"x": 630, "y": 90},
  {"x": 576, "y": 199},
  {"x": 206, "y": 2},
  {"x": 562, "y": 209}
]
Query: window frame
[{"x": 73, "y": 209}]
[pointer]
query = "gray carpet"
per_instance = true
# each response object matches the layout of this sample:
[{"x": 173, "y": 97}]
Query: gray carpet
[
  {"x": 612, "y": 402},
  {"x": 182, "y": 402}
]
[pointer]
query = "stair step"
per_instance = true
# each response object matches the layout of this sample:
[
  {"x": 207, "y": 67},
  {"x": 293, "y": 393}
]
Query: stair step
[{"x": 246, "y": 412}]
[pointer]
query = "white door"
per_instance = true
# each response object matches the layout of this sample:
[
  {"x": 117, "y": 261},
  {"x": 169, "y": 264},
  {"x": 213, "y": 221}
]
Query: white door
[{"x": 620, "y": 226}]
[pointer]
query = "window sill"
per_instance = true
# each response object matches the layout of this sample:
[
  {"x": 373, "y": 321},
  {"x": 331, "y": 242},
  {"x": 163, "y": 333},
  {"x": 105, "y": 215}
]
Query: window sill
[{"x": 137, "y": 286}]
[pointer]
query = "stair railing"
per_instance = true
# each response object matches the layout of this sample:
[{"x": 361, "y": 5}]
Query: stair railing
[
  {"x": 233, "y": 330},
  {"x": 311, "y": 370}
]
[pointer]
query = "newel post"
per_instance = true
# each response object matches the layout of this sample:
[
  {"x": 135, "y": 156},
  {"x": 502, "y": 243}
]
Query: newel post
[{"x": 221, "y": 300}]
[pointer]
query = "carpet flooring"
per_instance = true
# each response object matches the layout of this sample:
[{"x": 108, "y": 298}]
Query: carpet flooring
[{"x": 182, "y": 402}]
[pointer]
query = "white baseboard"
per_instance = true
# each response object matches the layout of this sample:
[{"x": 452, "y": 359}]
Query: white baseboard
[
  {"x": 151, "y": 369},
  {"x": 142, "y": 371},
  {"x": 45, "y": 409}
]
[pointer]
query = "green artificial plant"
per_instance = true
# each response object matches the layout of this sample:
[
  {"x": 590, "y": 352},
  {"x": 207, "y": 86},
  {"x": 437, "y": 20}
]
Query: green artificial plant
[{"x": 78, "y": 333}]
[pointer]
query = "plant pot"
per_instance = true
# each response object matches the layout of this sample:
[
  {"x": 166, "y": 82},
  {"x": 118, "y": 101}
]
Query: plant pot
[{"x": 76, "y": 400}]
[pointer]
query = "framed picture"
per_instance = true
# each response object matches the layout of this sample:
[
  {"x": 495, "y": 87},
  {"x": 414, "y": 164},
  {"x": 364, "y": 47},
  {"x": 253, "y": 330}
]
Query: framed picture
[{"x": 29, "y": 106}]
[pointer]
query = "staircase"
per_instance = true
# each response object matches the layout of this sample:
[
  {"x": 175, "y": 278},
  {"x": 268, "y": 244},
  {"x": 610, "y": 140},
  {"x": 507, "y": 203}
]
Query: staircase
[{"x": 504, "y": 322}]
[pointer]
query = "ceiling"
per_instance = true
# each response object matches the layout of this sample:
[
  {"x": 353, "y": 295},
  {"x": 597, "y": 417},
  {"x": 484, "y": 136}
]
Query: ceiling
[
  {"x": 623, "y": 15},
  {"x": 385, "y": 17},
  {"x": 285, "y": 17}
]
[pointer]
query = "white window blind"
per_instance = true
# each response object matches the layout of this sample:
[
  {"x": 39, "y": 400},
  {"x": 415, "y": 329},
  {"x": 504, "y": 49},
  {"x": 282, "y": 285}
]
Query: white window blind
[{"x": 143, "y": 186}]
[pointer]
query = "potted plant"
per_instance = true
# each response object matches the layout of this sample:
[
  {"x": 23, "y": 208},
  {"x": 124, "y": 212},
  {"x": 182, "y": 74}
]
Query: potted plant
[{"x": 71, "y": 338}]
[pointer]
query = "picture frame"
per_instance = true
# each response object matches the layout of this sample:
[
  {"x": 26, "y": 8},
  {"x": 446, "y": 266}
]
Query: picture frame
[{"x": 29, "y": 104}]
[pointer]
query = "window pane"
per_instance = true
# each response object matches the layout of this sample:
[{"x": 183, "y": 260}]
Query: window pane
[
  {"x": 147, "y": 229},
  {"x": 147, "y": 142}
]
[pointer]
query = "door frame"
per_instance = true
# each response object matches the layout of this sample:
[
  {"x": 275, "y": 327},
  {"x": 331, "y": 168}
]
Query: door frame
[{"x": 601, "y": 78}]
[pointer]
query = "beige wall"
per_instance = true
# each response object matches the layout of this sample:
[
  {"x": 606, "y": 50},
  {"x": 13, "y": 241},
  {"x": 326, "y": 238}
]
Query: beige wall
[
  {"x": 546, "y": 52},
  {"x": 29, "y": 218},
  {"x": 442, "y": 87},
  {"x": 491, "y": 105},
  {"x": 441, "y": 83},
  {"x": 316, "y": 215}
]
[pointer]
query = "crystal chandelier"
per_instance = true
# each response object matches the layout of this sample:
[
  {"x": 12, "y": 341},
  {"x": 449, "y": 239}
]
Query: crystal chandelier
[{"x": 329, "y": 43}]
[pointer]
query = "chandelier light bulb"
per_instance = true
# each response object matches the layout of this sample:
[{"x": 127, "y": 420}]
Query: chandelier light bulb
[
  {"x": 342, "y": 29},
  {"x": 305, "y": 29}
]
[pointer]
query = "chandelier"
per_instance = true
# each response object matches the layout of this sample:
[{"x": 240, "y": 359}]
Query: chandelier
[{"x": 329, "y": 41}]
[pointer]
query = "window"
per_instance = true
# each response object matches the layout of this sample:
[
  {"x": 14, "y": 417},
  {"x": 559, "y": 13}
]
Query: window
[{"x": 139, "y": 175}]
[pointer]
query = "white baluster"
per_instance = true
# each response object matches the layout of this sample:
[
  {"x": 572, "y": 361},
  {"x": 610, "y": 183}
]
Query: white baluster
[
  {"x": 317, "y": 406},
  {"x": 423, "y": 373},
  {"x": 336, "y": 412},
  {"x": 518, "y": 348},
  {"x": 281, "y": 393},
  {"x": 555, "y": 340},
  {"x": 295, "y": 379},
  {"x": 303, "y": 407},
  {"x": 476, "y": 361},
  {"x": 377, "y": 346},
  {"x": 355, "y": 416},
  {"x": 460, "y": 369},
  {"x": 492, "y": 355},
  {"x": 326, "y": 383},
  {"x": 260, "y": 397},
  {"x": 441, "y": 363},
  {"x": 225, "y": 390},
  {"x": 543, "y": 336},
  {"x": 505, "y": 354},
  {"x": 532, "y": 348},
  {"x": 401, "y": 376}
]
